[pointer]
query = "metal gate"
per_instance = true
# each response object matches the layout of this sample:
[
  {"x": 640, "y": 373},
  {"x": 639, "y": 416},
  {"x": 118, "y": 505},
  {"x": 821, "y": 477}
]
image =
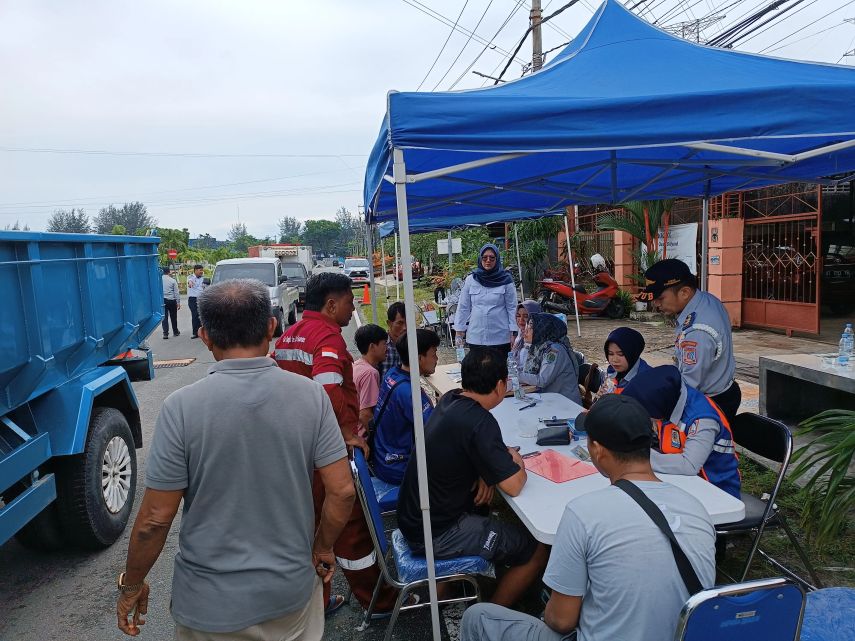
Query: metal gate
[{"x": 782, "y": 263}]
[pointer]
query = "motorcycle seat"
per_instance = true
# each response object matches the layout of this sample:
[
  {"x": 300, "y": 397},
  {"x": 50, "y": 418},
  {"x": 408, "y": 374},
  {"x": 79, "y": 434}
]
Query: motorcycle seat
[{"x": 580, "y": 288}]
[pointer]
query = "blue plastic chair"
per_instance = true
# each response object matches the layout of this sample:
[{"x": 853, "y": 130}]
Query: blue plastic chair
[
  {"x": 829, "y": 615},
  {"x": 410, "y": 571},
  {"x": 751, "y": 611},
  {"x": 387, "y": 495}
]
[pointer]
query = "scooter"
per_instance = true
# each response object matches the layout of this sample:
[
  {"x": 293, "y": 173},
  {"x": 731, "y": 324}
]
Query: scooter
[{"x": 557, "y": 296}]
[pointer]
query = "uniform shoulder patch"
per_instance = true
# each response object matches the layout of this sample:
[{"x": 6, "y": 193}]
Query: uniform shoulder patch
[
  {"x": 551, "y": 356},
  {"x": 690, "y": 352},
  {"x": 690, "y": 320}
]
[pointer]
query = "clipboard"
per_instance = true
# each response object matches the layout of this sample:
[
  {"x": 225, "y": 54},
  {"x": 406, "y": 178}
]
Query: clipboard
[{"x": 556, "y": 467}]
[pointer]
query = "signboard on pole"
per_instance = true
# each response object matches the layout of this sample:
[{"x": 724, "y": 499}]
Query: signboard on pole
[
  {"x": 172, "y": 253},
  {"x": 442, "y": 246},
  {"x": 682, "y": 245}
]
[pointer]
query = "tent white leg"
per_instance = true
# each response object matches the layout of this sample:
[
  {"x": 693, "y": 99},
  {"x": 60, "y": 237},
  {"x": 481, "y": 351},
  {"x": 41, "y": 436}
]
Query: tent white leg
[
  {"x": 449, "y": 254},
  {"x": 705, "y": 243},
  {"x": 397, "y": 282},
  {"x": 519, "y": 264},
  {"x": 371, "y": 273},
  {"x": 400, "y": 175},
  {"x": 383, "y": 270},
  {"x": 572, "y": 274}
]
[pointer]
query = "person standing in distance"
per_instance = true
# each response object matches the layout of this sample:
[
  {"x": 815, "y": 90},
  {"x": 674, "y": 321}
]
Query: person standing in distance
[
  {"x": 396, "y": 324},
  {"x": 250, "y": 563},
  {"x": 703, "y": 349},
  {"x": 486, "y": 313},
  {"x": 171, "y": 303},
  {"x": 314, "y": 347},
  {"x": 195, "y": 287}
]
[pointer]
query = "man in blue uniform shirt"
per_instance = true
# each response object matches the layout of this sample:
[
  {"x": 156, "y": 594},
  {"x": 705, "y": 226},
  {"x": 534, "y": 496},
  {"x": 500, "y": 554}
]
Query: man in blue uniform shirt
[
  {"x": 393, "y": 415},
  {"x": 704, "y": 344}
]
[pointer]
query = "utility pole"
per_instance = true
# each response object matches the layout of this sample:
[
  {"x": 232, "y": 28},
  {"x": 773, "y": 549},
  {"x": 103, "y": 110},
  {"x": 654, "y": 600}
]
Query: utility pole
[{"x": 536, "y": 36}]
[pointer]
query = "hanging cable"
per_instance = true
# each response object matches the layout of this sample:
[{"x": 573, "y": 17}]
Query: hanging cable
[
  {"x": 444, "y": 45},
  {"x": 463, "y": 48}
]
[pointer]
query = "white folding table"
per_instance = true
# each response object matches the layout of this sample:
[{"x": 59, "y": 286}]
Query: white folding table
[{"x": 541, "y": 503}]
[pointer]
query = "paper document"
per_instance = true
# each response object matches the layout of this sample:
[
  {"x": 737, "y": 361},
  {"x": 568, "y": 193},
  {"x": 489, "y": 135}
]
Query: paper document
[{"x": 556, "y": 467}]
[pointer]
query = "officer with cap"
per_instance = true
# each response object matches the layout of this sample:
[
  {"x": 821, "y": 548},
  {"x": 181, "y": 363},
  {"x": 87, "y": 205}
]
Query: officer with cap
[{"x": 704, "y": 345}]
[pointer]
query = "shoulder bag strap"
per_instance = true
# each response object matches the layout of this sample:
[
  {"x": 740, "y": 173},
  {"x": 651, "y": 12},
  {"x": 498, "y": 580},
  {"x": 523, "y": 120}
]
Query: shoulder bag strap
[
  {"x": 687, "y": 572},
  {"x": 386, "y": 402}
]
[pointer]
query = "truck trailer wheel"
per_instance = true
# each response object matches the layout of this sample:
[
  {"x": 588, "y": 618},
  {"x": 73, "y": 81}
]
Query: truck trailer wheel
[
  {"x": 280, "y": 324},
  {"x": 95, "y": 490}
]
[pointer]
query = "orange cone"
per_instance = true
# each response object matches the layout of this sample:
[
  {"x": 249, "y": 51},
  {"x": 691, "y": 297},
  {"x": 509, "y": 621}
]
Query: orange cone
[{"x": 366, "y": 296}]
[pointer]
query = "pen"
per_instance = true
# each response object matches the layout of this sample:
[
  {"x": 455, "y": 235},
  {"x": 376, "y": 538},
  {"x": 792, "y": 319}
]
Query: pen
[{"x": 525, "y": 407}]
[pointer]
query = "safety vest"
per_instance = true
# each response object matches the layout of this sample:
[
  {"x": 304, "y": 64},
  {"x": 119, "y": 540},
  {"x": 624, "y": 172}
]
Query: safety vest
[
  {"x": 722, "y": 466},
  {"x": 640, "y": 367}
]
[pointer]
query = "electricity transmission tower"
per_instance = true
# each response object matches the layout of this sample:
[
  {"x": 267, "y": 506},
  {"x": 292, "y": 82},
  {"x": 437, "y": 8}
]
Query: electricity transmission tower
[{"x": 691, "y": 30}]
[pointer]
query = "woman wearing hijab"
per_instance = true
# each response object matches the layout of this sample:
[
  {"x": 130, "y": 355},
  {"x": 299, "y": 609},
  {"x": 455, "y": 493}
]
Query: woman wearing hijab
[
  {"x": 524, "y": 310},
  {"x": 623, "y": 349},
  {"x": 551, "y": 364},
  {"x": 486, "y": 313}
]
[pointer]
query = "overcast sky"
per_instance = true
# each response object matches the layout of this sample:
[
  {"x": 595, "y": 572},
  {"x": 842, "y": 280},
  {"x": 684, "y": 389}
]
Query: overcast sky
[{"x": 254, "y": 89}]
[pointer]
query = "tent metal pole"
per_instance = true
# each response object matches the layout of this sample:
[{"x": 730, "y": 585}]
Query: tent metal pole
[
  {"x": 572, "y": 274},
  {"x": 383, "y": 270},
  {"x": 705, "y": 241},
  {"x": 464, "y": 166},
  {"x": 449, "y": 254},
  {"x": 519, "y": 264},
  {"x": 400, "y": 173},
  {"x": 397, "y": 283},
  {"x": 371, "y": 273}
]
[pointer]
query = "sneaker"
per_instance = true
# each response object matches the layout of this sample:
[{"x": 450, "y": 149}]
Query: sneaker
[
  {"x": 176, "y": 333},
  {"x": 193, "y": 336},
  {"x": 165, "y": 336}
]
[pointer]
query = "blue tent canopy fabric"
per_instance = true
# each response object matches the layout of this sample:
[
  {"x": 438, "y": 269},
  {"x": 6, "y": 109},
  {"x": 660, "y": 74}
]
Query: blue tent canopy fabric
[{"x": 626, "y": 111}]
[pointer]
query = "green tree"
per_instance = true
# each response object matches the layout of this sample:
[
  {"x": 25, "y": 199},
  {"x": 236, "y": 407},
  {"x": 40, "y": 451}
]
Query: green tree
[
  {"x": 16, "y": 226},
  {"x": 236, "y": 231},
  {"x": 353, "y": 238},
  {"x": 177, "y": 239},
  {"x": 118, "y": 230},
  {"x": 322, "y": 235},
  {"x": 642, "y": 219},
  {"x": 133, "y": 217},
  {"x": 206, "y": 241},
  {"x": 73, "y": 221},
  {"x": 289, "y": 229}
]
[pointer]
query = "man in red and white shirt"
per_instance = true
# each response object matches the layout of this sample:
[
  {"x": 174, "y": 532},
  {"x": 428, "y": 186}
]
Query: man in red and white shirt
[{"x": 315, "y": 348}]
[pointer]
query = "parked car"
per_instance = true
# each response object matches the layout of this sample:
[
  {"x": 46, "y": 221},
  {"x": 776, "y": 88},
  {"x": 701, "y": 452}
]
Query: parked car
[
  {"x": 283, "y": 295},
  {"x": 418, "y": 271},
  {"x": 297, "y": 276},
  {"x": 357, "y": 270}
]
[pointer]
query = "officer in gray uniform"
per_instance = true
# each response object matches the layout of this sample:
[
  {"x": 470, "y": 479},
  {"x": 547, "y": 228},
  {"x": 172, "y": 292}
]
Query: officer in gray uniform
[
  {"x": 704, "y": 344},
  {"x": 551, "y": 364}
]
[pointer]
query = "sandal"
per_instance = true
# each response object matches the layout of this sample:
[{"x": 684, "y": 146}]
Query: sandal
[
  {"x": 334, "y": 603},
  {"x": 413, "y": 599}
]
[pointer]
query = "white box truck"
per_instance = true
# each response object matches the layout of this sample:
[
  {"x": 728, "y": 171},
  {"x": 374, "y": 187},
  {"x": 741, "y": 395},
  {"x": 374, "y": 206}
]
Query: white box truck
[{"x": 286, "y": 253}]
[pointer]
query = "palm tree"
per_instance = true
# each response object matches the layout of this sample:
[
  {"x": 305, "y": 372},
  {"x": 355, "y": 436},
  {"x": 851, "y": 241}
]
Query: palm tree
[{"x": 642, "y": 219}]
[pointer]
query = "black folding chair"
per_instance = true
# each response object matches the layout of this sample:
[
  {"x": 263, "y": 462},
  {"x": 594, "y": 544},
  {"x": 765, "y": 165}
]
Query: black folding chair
[{"x": 772, "y": 440}]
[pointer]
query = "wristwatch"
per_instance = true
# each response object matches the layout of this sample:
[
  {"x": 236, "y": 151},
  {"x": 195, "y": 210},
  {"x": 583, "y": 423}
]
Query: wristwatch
[{"x": 120, "y": 584}]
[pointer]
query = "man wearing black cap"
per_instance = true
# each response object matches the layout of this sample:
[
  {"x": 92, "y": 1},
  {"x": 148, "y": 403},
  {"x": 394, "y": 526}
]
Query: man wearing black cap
[
  {"x": 704, "y": 345},
  {"x": 612, "y": 571}
]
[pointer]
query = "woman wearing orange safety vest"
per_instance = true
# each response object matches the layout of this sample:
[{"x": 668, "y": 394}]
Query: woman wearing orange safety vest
[{"x": 694, "y": 435}]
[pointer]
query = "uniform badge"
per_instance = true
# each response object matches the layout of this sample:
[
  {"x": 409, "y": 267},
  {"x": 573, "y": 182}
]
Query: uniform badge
[
  {"x": 690, "y": 352},
  {"x": 551, "y": 357},
  {"x": 690, "y": 320},
  {"x": 675, "y": 439},
  {"x": 693, "y": 428}
]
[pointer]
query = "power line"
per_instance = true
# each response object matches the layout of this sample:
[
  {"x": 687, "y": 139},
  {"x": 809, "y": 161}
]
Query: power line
[
  {"x": 813, "y": 35},
  {"x": 808, "y": 25},
  {"x": 778, "y": 18},
  {"x": 444, "y": 44},
  {"x": 167, "y": 154},
  {"x": 465, "y": 44}
]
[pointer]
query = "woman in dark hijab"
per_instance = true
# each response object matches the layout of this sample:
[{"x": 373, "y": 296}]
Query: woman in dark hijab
[
  {"x": 623, "y": 349},
  {"x": 551, "y": 364},
  {"x": 486, "y": 313}
]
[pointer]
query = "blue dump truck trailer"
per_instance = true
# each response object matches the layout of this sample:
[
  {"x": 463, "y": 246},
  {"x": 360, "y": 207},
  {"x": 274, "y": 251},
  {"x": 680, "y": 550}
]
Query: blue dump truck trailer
[{"x": 75, "y": 310}]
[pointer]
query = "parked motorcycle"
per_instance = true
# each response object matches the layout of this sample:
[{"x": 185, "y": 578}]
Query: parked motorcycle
[{"x": 557, "y": 295}]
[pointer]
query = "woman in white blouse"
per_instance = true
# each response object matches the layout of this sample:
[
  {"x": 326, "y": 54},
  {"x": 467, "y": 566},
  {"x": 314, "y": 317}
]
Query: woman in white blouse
[{"x": 486, "y": 313}]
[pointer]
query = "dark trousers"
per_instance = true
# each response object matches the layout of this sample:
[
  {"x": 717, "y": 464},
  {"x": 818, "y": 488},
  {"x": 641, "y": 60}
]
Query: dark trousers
[
  {"x": 170, "y": 312},
  {"x": 729, "y": 401},
  {"x": 192, "y": 302}
]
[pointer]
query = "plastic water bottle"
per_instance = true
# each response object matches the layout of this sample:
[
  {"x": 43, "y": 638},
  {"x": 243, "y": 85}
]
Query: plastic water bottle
[
  {"x": 459, "y": 348},
  {"x": 843, "y": 353},
  {"x": 514, "y": 376},
  {"x": 850, "y": 339}
]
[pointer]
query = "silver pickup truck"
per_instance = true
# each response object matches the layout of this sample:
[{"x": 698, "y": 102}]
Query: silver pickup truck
[{"x": 283, "y": 295}]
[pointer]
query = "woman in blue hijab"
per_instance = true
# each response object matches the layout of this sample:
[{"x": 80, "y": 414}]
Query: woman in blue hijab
[{"x": 486, "y": 313}]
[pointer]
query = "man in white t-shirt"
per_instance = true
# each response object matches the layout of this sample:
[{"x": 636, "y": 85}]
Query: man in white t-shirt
[{"x": 611, "y": 570}]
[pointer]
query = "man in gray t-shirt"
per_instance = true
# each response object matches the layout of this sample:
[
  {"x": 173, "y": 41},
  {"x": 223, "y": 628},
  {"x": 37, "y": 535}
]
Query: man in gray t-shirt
[
  {"x": 612, "y": 572},
  {"x": 240, "y": 447}
]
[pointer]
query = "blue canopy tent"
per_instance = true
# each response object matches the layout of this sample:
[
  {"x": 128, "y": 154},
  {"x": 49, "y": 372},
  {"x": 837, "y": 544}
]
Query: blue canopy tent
[{"x": 626, "y": 111}]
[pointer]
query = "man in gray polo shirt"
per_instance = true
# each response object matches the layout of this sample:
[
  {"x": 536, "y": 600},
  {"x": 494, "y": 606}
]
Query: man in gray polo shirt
[{"x": 239, "y": 447}]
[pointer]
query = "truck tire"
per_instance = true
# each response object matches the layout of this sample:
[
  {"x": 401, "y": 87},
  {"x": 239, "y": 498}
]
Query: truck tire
[
  {"x": 280, "y": 324},
  {"x": 292, "y": 315},
  {"x": 95, "y": 490}
]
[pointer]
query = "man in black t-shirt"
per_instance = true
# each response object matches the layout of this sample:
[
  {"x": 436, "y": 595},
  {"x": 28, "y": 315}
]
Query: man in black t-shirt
[{"x": 467, "y": 459}]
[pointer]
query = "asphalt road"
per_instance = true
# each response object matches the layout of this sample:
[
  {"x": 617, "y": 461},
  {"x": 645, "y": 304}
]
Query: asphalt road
[{"x": 70, "y": 595}]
